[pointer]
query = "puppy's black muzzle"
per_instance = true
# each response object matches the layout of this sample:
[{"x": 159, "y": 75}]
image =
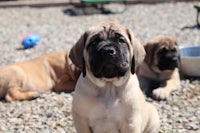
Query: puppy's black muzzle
[
  {"x": 168, "y": 61},
  {"x": 108, "y": 60}
]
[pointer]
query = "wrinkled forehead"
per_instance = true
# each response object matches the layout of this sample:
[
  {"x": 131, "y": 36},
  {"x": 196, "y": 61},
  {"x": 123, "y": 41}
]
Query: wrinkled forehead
[
  {"x": 163, "y": 42},
  {"x": 169, "y": 44},
  {"x": 106, "y": 32}
]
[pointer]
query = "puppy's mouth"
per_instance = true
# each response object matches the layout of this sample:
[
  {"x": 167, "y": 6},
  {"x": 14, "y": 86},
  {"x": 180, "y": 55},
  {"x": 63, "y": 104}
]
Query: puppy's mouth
[{"x": 109, "y": 70}]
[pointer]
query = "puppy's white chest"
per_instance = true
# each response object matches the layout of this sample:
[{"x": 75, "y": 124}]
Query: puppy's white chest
[{"x": 107, "y": 116}]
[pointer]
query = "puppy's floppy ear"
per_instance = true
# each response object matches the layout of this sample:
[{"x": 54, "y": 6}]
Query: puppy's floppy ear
[
  {"x": 150, "y": 49},
  {"x": 138, "y": 51},
  {"x": 76, "y": 53}
]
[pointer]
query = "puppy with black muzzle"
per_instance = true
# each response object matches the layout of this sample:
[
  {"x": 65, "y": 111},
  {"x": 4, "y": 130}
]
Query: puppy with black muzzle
[
  {"x": 159, "y": 73},
  {"x": 107, "y": 97}
]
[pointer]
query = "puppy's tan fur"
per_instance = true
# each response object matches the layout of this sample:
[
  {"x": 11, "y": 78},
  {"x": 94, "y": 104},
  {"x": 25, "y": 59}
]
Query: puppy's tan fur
[
  {"x": 116, "y": 105},
  {"x": 149, "y": 73},
  {"x": 27, "y": 80}
]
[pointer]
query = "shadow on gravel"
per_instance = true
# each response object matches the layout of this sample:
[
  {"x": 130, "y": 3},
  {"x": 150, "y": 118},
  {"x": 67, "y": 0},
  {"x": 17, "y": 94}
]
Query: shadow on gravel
[
  {"x": 20, "y": 48},
  {"x": 191, "y": 27},
  {"x": 86, "y": 10},
  {"x": 191, "y": 78}
]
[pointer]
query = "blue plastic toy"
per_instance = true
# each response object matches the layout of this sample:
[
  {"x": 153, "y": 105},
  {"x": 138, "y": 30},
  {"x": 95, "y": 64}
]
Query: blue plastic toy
[{"x": 30, "y": 41}]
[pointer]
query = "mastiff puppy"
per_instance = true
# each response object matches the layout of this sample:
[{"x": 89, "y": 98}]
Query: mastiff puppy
[
  {"x": 107, "y": 97},
  {"x": 159, "y": 73},
  {"x": 27, "y": 80}
]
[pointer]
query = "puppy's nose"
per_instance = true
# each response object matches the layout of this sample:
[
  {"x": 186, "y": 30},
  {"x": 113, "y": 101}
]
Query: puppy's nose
[
  {"x": 175, "y": 58},
  {"x": 109, "y": 51}
]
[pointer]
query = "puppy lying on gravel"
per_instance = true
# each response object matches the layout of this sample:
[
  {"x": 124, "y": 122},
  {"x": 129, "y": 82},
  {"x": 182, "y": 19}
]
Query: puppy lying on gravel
[
  {"x": 159, "y": 73},
  {"x": 27, "y": 80}
]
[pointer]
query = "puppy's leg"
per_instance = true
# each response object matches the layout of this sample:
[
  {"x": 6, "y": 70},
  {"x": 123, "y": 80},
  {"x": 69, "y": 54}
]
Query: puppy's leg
[
  {"x": 81, "y": 124},
  {"x": 137, "y": 125},
  {"x": 133, "y": 124},
  {"x": 172, "y": 84},
  {"x": 144, "y": 85},
  {"x": 16, "y": 93},
  {"x": 153, "y": 122},
  {"x": 65, "y": 83}
]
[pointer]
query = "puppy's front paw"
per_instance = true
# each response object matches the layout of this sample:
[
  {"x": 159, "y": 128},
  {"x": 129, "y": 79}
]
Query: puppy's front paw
[
  {"x": 161, "y": 93},
  {"x": 8, "y": 98}
]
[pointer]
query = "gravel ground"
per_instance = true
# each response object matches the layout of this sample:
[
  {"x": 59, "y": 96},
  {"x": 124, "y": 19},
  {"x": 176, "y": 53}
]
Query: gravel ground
[{"x": 58, "y": 30}]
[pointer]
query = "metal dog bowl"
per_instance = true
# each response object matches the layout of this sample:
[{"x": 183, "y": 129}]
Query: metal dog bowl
[{"x": 190, "y": 60}]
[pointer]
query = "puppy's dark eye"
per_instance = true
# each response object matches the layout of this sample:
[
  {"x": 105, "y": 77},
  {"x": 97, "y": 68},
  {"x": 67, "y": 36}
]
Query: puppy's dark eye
[
  {"x": 121, "y": 40},
  {"x": 173, "y": 50},
  {"x": 163, "y": 50},
  {"x": 96, "y": 38}
]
